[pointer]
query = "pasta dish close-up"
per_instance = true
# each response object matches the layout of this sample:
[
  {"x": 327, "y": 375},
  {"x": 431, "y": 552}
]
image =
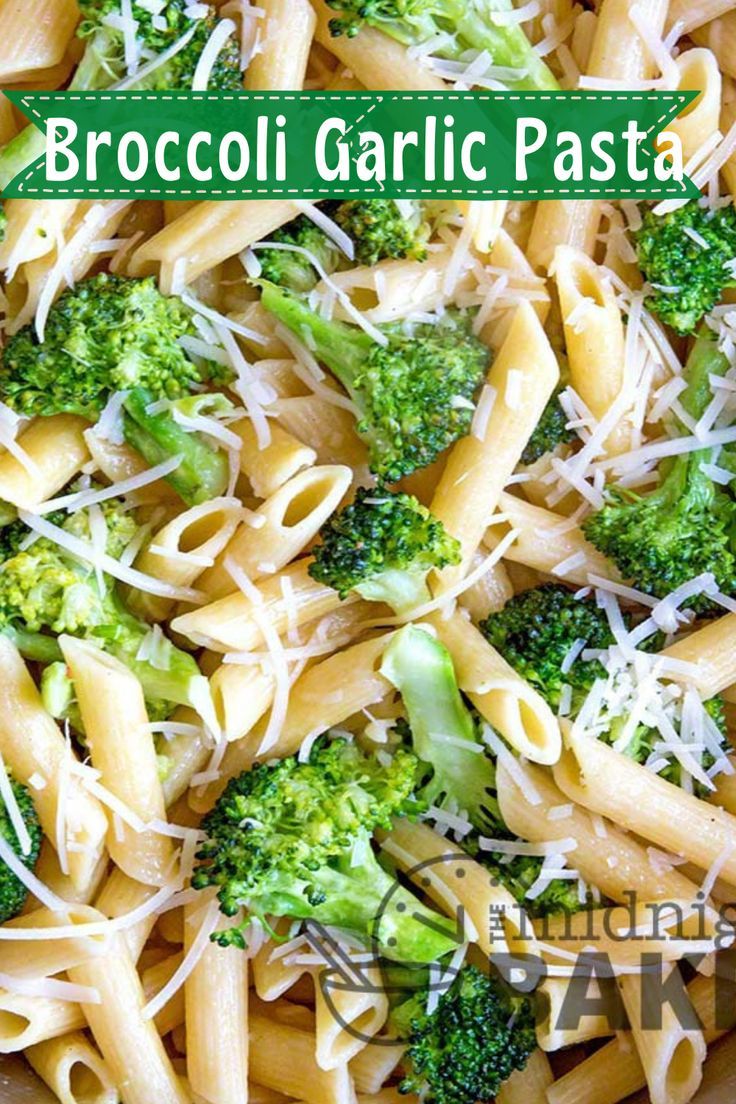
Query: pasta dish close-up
[{"x": 368, "y": 590}]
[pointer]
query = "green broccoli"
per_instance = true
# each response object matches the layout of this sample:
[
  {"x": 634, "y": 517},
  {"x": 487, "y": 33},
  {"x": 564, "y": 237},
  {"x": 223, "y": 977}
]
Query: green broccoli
[
  {"x": 45, "y": 589},
  {"x": 460, "y": 779},
  {"x": 379, "y": 230},
  {"x": 103, "y": 64},
  {"x": 462, "y": 1051},
  {"x": 458, "y": 26},
  {"x": 687, "y": 526},
  {"x": 538, "y": 629},
  {"x": 376, "y": 227},
  {"x": 293, "y": 839},
  {"x": 109, "y": 334},
  {"x": 289, "y": 268},
  {"x": 414, "y": 394},
  {"x": 463, "y": 779},
  {"x": 13, "y": 893},
  {"x": 687, "y": 258},
  {"x": 3, "y": 221},
  {"x": 535, "y": 631},
  {"x": 383, "y": 546}
]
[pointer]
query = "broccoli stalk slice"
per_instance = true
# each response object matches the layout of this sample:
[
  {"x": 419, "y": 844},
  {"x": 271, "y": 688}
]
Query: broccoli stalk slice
[
  {"x": 202, "y": 473},
  {"x": 421, "y": 669},
  {"x": 400, "y": 589},
  {"x": 20, "y": 153},
  {"x": 341, "y": 347},
  {"x": 469, "y": 29},
  {"x": 36, "y": 646}
]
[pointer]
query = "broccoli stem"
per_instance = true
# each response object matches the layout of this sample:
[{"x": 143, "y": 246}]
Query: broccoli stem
[
  {"x": 36, "y": 646},
  {"x": 20, "y": 153},
  {"x": 202, "y": 473},
  {"x": 341, "y": 347},
  {"x": 366, "y": 898},
  {"x": 508, "y": 47},
  {"x": 421, "y": 670},
  {"x": 704, "y": 360}
]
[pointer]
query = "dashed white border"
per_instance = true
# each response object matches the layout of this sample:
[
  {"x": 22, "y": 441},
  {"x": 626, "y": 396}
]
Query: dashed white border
[{"x": 677, "y": 100}]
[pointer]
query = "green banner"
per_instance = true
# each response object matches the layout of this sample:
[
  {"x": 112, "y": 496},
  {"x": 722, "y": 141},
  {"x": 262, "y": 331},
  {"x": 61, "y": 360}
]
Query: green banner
[{"x": 459, "y": 145}]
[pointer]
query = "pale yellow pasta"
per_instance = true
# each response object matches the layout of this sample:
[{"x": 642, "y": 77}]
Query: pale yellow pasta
[
  {"x": 241, "y": 695},
  {"x": 507, "y": 255},
  {"x": 618, "y": 52},
  {"x": 720, "y": 36},
  {"x": 186, "y": 754},
  {"x": 129, "y": 1044},
  {"x": 121, "y": 747},
  {"x": 73, "y": 1070},
  {"x": 547, "y": 542},
  {"x": 594, "y": 337},
  {"x": 44, "y": 958},
  {"x": 396, "y": 284},
  {"x": 180, "y": 551},
  {"x": 217, "y": 1044},
  {"x": 487, "y": 217},
  {"x": 275, "y": 67},
  {"x": 50, "y": 873},
  {"x": 552, "y": 994},
  {"x": 291, "y": 519},
  {"x": 710, "y": 655},
  {"x": 89, "y": 223},
  {"x": 373, "y": 1065},
  {"x": 615, "y": 1071},
  {"x": 233, "y": 623},
  {"x": 282, "y": 1057},
  {"x": 345, "y": 1018},
  {"x": 206, "y": 234},
  {"x": 269, "y": 468},
  {"x": 118, "y": 462},
  {"x": 527, "y": 1086},
  {"x": 490, "y": 593},
  {"x": 31, "y": 744},
  {"x": 672, "y": 1057},
  {"x": 696, "y": 16},
  {"x": 172, "y": 1014},
  {"x": 616, "y": 863},
  {"x": 121, "y": 894},
  {"x": 272, "y": 975},
  {"x": 55, "y": 450},
  {"x": 34, "y": 40},
  {"x": 669, "y": 927},
  {"x": 28, "y": 1020},
  {"x": 33, "y": 228},
  {"x": 503, "y": 698},
  {"x": 462, "y": 887},
  {"x": 375, "y": 59},
  {"x": 699, "y": 71},
  {"x": 608, "y": 783},
  {"x": 558, "y": 222},
  {"x": 327, "y": 429},
  {"x": 523, "y": 376}
]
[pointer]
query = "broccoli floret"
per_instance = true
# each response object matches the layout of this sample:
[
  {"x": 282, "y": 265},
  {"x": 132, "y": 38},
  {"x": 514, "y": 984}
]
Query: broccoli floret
[
  {"x": 687, "y": 276},
  {"x": 13, "y": 893},
  {"x": 383, "y": 546},
  {"x": 376, "y": 227},
  {"x": 294, "y": 839},
  {"x": 379, "y": 230},
  {"x": 44, "y": 588},
  {"x": 103, "y": 64},
  {"x": 685, "y": 527},
  {"x": 535, "y": 631},
  {"x": 462, "y": 1051},
  {"x": 458, "y": 25},
  {"x": 109, "y": 334},
  {"x": 463, "y": 780},
  {"x": 414, "y": 395},
  {"x": 292, "y": 270}
]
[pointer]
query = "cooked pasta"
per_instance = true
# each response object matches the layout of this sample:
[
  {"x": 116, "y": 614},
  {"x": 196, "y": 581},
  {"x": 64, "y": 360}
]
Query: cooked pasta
[{"x": 384, "y": 751}]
